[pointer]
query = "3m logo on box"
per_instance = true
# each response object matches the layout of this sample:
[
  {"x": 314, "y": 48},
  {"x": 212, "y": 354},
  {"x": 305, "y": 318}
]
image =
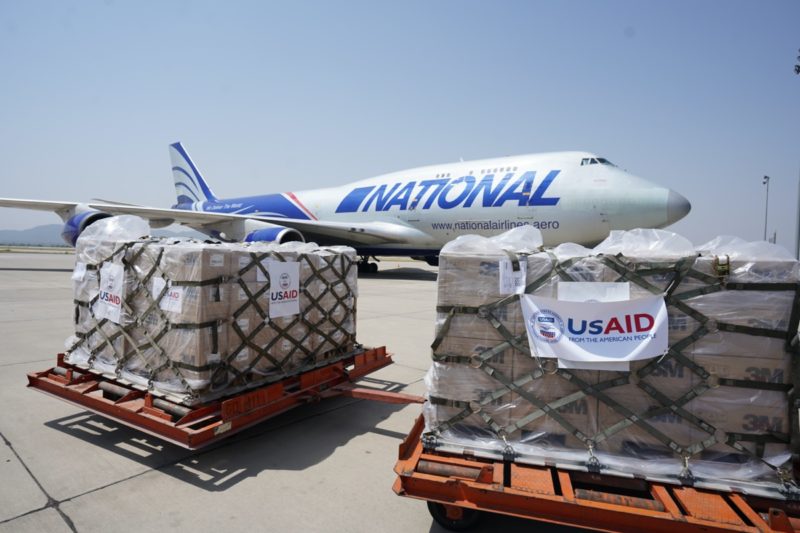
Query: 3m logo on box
[
  {"x": 766, "y": 375},
  {"x": 668, "y": 369},
  {"x": 578, "y": 407},
  {"x": 762, "y": 423}
]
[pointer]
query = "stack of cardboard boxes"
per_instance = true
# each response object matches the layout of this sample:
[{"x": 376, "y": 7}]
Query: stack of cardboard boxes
[
  {"x": 198, "y": 317},
  {"x": 715, "y": 407}
]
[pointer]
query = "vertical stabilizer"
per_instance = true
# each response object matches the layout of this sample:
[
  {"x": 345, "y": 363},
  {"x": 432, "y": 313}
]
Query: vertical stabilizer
[{"x": 190, "y": 186}]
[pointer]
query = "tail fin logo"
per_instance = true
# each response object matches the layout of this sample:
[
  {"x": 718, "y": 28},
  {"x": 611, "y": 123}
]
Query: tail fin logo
[{"x": 190, "y": 186}]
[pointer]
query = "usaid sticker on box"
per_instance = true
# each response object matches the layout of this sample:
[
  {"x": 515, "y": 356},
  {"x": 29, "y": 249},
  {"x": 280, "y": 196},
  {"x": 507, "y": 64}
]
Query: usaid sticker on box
[
  {"x": 109, "y": 297},
  {"x": 172, "y": 300},
  {"x": 284, "y": 288},
  {"x": 596, "y": 332}
]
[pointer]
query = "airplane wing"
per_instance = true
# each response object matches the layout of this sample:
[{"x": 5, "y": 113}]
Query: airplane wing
[{"x": 353, "y": 233}]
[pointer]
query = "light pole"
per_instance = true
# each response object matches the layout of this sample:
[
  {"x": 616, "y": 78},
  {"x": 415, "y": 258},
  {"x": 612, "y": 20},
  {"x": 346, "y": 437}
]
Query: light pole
[
  {"x": 765, "y": 181},
  {"x": 797, "y": 235}
]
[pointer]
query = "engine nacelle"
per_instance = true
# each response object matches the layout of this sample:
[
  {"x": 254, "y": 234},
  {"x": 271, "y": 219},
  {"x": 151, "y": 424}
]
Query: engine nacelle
[
  {"x": 75, "y": 224},
  {"x": 255, "y": 231},
  {"x": 278, "y": 234}
]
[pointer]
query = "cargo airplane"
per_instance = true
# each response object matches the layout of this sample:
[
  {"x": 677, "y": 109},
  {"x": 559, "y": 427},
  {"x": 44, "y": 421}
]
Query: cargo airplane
[{"x": 569, "y": 196}]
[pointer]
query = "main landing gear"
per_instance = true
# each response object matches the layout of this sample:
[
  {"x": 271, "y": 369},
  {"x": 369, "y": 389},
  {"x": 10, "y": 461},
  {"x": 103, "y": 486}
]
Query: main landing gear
[{"x": 365, "y": 267}]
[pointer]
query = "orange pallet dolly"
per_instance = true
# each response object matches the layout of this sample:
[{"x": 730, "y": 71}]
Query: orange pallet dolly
[
  {"x": 201, "y": 425},
  {"x": 459, "y": 488}
]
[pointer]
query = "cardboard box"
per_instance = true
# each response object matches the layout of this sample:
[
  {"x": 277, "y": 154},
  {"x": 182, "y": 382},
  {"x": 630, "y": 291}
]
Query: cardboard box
[
  {"x": 100, "y": 346},
  {"x": 728, "y": 409},
  {"x": 473, "y": 281},
  {"x": 197, "y": 351},
  {"x": 245, "y": 338},
  {"x": 193, "y": 273},
  {"x": 462, "y": 383},
  {"x": 197, "y": 311}
]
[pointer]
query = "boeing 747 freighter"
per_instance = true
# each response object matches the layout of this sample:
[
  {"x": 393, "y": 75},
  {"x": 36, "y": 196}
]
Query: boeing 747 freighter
[{"x": 570, "y": 196}]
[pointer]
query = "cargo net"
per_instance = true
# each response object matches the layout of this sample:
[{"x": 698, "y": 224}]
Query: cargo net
[
  {"x": 197, "y": 320},
  {"x": 715, "y": 408}
]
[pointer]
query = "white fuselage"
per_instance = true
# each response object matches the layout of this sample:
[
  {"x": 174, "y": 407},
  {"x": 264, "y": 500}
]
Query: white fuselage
[{"x": 567, "y": 200}]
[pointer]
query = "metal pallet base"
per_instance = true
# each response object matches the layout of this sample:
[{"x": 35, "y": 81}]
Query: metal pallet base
[
  {"x": 198, "y": 426},
  {"x": 462, "y": 484}
]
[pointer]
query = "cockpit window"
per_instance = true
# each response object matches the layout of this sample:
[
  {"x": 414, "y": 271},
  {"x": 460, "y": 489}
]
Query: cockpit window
[{"x": 596, "y": 161}]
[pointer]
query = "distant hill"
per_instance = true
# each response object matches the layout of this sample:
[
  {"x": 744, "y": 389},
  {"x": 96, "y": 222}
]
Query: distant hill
[{"x": 50, "y": 235}]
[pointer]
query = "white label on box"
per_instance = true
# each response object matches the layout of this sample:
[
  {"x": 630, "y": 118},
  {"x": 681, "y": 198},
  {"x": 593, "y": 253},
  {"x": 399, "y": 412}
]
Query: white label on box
[
  {"x": 244, "y": 355},
  {"x": 213, "y": 358},
  {"x": 512, "y": 282},
  {"x": 109, "y": 298},
  {"x": 594, "y": 291},
  {"x": 260, "y": 268},
  {"x": 284, "y": 290},
  {"x": 286, "y": 345},
  {"x": 158, "y": 286},
  {"x": 172, "y": 301},
  {"x": 244, "y": 324},
  {"x": 243, "y": 261},
  {"x": 217, "y": 260},
  {"x": 80, "y": 271}
]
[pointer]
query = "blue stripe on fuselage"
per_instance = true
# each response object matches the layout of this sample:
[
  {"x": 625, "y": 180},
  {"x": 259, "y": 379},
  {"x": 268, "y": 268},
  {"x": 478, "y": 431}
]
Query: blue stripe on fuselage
[
  {"x": 275, "y": 205},
  {"x": 353, "y": 200},
  {"x": 452, "y": 193}
]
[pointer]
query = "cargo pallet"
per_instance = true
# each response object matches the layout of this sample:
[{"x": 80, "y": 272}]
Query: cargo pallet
[
  {"x": 459, "y": 488},
  {"x": 198, "y": 426}
]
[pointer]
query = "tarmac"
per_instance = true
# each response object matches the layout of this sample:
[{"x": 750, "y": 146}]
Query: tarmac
[{"x": 324, "y": 467}]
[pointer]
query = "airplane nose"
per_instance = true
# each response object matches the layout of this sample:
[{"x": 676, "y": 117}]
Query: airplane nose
[{"x": 677, "y": 207}]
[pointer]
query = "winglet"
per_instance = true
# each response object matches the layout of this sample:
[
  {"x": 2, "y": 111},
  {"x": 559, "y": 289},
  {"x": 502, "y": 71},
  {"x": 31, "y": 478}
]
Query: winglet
[{"x": 189, "y": 183}]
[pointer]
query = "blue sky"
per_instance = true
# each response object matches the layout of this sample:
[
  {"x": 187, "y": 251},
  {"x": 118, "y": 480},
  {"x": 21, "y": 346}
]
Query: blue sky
[{"x": 269, "y": 97}]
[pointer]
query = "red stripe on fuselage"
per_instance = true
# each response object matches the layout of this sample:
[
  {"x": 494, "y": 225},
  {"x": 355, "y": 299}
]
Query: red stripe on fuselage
[{"x": 299, "y": 204}]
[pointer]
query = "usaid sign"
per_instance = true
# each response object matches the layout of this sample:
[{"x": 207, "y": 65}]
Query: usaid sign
[
  {"x": 596, "y": 332},
  {"x": 284, "y": 288}
]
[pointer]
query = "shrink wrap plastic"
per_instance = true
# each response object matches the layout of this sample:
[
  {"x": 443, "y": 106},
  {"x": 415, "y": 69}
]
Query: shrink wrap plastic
[
  {"x": 715, "y": 409},
  {"x": 198, "y": 320}
]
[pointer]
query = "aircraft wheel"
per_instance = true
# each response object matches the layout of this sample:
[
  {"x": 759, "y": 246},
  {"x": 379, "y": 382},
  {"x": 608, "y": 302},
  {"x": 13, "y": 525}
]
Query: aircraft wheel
[
  {"x": 453, "y": 518},
  {"x": 372, "y": 268}
]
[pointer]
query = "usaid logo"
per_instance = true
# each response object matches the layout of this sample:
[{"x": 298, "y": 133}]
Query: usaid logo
[
  {"x": 284, "y": 290},
  {"x": 547, "y": 326}
]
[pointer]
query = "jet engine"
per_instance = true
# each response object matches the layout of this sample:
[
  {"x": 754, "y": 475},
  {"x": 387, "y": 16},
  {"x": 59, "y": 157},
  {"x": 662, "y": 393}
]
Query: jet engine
[
  {"x": 277, "y": 234},
  {"x": 82, "y": 219},
  {"x": 257, "y": 231}
]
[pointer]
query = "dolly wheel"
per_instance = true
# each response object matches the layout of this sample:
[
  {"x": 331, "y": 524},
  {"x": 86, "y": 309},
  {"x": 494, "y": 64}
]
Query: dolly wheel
[{"x": 453, "y": 518}]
